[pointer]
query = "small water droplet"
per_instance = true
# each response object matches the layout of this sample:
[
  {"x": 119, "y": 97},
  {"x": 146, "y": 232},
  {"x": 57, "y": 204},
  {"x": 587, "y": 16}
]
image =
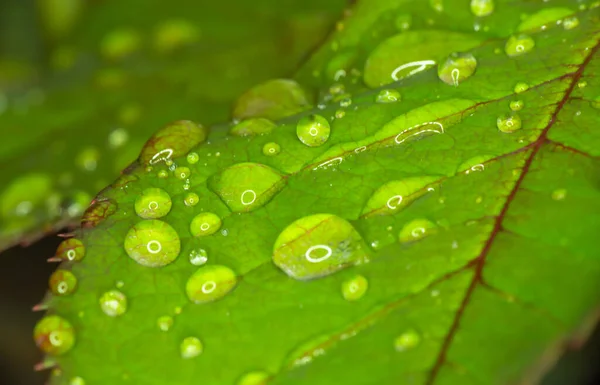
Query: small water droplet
[
  {"x": 113, "y": 303},
  {"x": 257, "y": 377},
  {"x": 71, "y": 249},
  {"x": 182, "y": 173},
  {"x": 62, "y": 282},
  {"x": 339, "y": 114},
  {"x": 544, "y": 17},
  {"x": 482, "y": 8},
  {"x": 54, "y": 335},
  {"x": 153, "y": 203},
  {"x": 191, "y": 347},
  {"x": 407, "y": 340},
  {"x": 210, "y": 283},
  {"x": 313, "y": 130},
  {"x": 165, "y": 322},
  {"x": 403, "y": 22},
  {"x": 570, "y": 22},
  {"x": 346, "y": 102},
  {"x": 191, "y": 199},
  {"x": 415, "y": 230},
  {"x": 271, "y": 149},
  {"x": 205, "y": 224},
  {"x": 117, "y": 138},
  {"x": 457, "y": 68},
  {"x": 152, "y": 243},
  {"x": 198, "y": 257},
  {"x": 192, "y": 158},
  {"x": 518, "y": 45},
  {"x": 508, "y": 123},
  {"x": 77, "y": 381},
  {"x": 521, "y": 87},
  {"x": 163, "y": 174},
  {"x": 88, "y": 158},
  {"x": 437, "y": 5},
  {"x": 354, "y": 288},
  {"x": 388, "y": 96},
  {"x": 559, "y": 195},
  {"x": 318, "y": 245},
  {"x": 516, "y": 105},
  {"x": 581, "y": 84}
]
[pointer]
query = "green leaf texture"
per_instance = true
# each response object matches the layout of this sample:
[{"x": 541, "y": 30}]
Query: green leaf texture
[{"x": 433, "y": 220}]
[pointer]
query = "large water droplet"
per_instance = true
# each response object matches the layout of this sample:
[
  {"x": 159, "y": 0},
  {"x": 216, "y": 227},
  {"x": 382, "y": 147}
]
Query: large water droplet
[
  {"x": 152, "y": 203},
  {"x": 210, "y": 283},
  {"x": 191, "y": 347},
  {"x": 152, "y": 243},
  {"x": 165, "y": 323},
  {"x": 252, "y": 127},
  {"x": 543, "y": 17},
  {"x": 457, "y": 68},
  {"x": 54, "y": 335},
  {"x": 407, "y": 340},
  {"x": 416, "y": 229},
  {"x": 354, "y": 288},
  {"x": 318, "y": 245},
  {"x": 271, "y": 149},
  {"x": 205, "y": 224},
  {"x": 518, "y": 45},
  {"x": 172, "y": 141},
  {"x": 273, "y": 100},
  {"x": 482, "y": 8},
  {"x": 396, "y": 194},
  {"x": 388, "y": 96},
  {"x": 71, "y": 249},
  {"x": 257, "y": 377},
  {"x": 113, "y": 303},
  {"x": 509, "y": 123},
  {"x": 313, "y": 130},
  {"x": 62, "y": 282},
  {"x": 246, "y": 186}
]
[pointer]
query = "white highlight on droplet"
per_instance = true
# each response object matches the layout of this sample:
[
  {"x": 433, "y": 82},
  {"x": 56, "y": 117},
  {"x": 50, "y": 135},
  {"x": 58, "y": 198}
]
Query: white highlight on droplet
[
  {"x": 390, "y": 202},
  {"x": 398, "y": 140},
  {"x": 327, "y": 249},
  {"x": 161, "y": 156},
  {"x": 208, "y": 287},
  {"x": 154, "y": 247},
  {"x": 421, "y": 66},
  {"x": 247, "y": 202}
]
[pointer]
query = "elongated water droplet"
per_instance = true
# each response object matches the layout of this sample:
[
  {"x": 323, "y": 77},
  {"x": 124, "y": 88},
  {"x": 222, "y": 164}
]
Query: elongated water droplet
[
  {"x": 54, "y": 335},
  {"x": 205, "y": 224},
  {"x": 543, "y": 17},
  {"x": 210, "y": 283},
  {"x": 198, "y": 257},
  {"x": 172, "y": 141},
  {"x": 457, "y": 68},
  {"x": 482, "y": 8},
  {"x": 517, "y": 45},
  {"x": 407, "y": 340},
  {"x": 274, "y": 99},
  {"x": 252, "y": 127},
  {"x": 165, "y": 323},
  {"x": 71, "y": 249},
  {"x": 509, "y": 123},
  {"x": 113, "y": 303},
  {"x": 62, "y": 282},
  {"x": 153, "y": 203},
  {"x": 416, "y": 229},
  {"x": 354, "y": 288},
  {"x": 318, "y": 245},
  {"x": 152, "y": 243},
  {"x": 257, "y": 377},
  {"x": 313, "y": 130},
  {"x": 395, "y": 195},
  {"x": 191, "y": 347},
  {"x": 388, "y": 96},
  {"x": 271, "y": 149},
  {"x": 246, "y": 186}
]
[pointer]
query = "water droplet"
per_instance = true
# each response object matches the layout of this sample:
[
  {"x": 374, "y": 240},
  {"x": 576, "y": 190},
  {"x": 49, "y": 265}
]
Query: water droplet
[
  {"x": 152, "y": 203},
  {"x": 559, "y": 195},
  {"x": 120, "y": 43},
  {"x": 87, "y": 159},
  {"x": 437, "y": 5},
  {"x": 165, "y": 322},
  {"x": 62, "y": 282},
  {"x": 516, "y": 105},
  {"x": 521, "y": 87},
  {"x": 175, "y": 33},
  {"x": 71, "y": 249},
  {"x": 172, "y": 141},
  {"x": 274, "y": 99},
  {"x": 346, "y": 102},
  {"x": 482, "y": 8},
  {"x": 457, "y": 68},
  {"x": 210, "y": 283},
  {"x": 354, "y": 288},
  {"x": 581, "y": 84},
  {"x": 271, "y": 149},
  {"x": 388, "y": 96},
  {"x": 570, "y": 22},
  {"x": 77, "y": 381},
  {"x": 97, "y": 212},
  {"x": 257, "y": 377},
  {"x": 205, "y": 224},
  {"x": 192, "y": 158},
  {"x": 415, "y": 230},
  {"x": 518, "y": 45},
  {"x": 162, "y": 174},
  {"x": 117, "y": 138},
  {"x": 543, "y": 17},
  {"x": 407, "y": 340},
  {"x": 318, "y": 245},
  {"x": 246, "y": 186},
  {"x": 474, "y": 164},
  {"x": 191, "y": 199},
  {"x": 396, "y": 194},
  {"x": 596, "y": 103},
  {"x": 403, "y": 22},
  {"x": 198, "y": 257},
  {"x": 253, "y": 127},
  {"x": 113, "y": 303},
  {"x": 54, "y": 335},
  {"x": 313, "y": 130},
  {"x": 191, "y": 347},
  {"x": 152, "y": 243},
  {"x": 182, "y": 173},
  {"x": 339, "y": 114},
  {"x": 509, "y": 123}
]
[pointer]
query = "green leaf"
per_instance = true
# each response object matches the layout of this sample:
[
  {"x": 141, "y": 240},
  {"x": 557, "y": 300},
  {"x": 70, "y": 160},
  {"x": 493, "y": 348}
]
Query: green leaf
[
  {"x": 117, "y": 75},
  {"x": 440, "y": 231}
]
